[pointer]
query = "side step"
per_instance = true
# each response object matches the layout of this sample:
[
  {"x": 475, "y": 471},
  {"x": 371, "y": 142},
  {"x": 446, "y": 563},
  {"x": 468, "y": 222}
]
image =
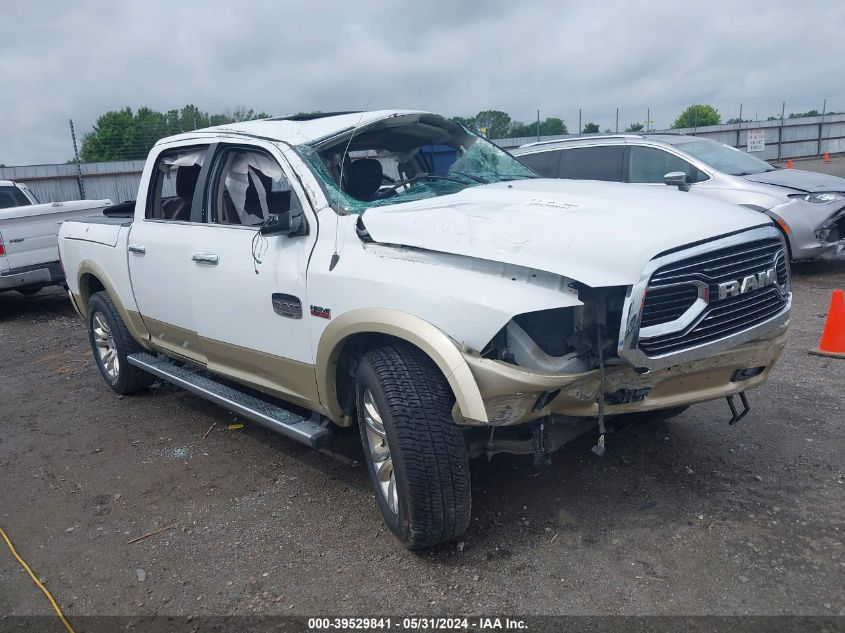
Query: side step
[{"x": 265, "y": 413}]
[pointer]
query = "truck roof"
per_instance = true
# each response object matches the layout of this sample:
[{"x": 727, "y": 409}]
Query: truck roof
[{"x": 297, "y": 129}]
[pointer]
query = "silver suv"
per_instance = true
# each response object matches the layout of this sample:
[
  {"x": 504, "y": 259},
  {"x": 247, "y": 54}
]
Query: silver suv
[{"x": 808, "y": 207}]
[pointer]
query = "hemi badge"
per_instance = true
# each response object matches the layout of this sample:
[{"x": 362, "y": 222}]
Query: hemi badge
[{"x": 323, "y": 313}]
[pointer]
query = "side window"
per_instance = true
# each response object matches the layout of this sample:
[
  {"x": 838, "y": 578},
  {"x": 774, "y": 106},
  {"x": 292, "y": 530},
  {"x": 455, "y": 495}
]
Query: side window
[
  {"x": 650, "y": 164},
  {"x": 12, "y": 197},
  {"x": 544, "y": 163},
  {"x": 592, "y": 163},
  {"x": 174, "y": 184},
  {"x": 249, "y": 185}
]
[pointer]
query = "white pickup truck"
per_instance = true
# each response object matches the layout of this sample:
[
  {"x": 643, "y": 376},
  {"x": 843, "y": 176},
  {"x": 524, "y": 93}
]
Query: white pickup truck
[
  {"x": 394, "y": 270},
  {"x": 29, "y": 257}
]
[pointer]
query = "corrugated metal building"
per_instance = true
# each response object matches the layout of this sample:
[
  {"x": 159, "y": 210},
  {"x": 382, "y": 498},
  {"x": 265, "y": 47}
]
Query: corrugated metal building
[{"x": 117, "y": 181}]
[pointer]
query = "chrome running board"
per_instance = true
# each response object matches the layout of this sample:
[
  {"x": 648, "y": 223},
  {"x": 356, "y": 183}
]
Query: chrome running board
[{"x": 305, "y": 430}]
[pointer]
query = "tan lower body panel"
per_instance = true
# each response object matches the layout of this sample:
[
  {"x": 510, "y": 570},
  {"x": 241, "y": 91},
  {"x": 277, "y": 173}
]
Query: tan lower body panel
[
  {"x": 510, "y": 393},
  {"x": 175, "y": 340},
  {"x": 280, "y": 377}
]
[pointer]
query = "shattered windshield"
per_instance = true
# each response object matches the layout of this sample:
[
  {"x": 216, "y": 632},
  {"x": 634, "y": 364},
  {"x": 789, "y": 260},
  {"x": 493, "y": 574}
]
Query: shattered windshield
[{"x": 408, "y": 162}]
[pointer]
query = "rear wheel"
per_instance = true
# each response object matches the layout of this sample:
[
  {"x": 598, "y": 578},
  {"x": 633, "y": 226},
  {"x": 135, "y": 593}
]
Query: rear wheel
[
  {"x": 415, "y": 453},
  {"x": 111, "y": 343}
]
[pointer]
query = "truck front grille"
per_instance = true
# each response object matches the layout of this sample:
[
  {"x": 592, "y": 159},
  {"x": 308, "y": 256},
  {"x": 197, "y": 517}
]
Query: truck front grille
[{"x": 671, "y": 292}]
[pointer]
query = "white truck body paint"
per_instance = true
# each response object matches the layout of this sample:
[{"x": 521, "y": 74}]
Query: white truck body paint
[
  {"x": 604, "y": 238},
  {"x": 467, "y": 263}
]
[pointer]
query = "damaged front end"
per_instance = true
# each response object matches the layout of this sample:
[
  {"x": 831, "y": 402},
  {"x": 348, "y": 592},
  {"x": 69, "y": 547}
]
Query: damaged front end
[{"x": 704, "y": 323}]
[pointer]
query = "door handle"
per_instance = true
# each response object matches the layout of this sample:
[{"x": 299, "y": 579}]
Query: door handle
[
  {"x": 205, "y": 258},
  {"x": 137, "y": 248}
]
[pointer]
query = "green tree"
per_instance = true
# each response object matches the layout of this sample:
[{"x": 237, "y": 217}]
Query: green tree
[
  {"x": 520, "y": 130},
  {"x": 801, "y": 115},
  {"x": 698, "y": 115},
  {"x": 113, "y": 138},
  {"x": 124, "y": 135},
  {"x": 553, "y": 126},
  {"x": 635, "y": 127},
  {"x": 467, "y": 122},
  {"x": 493, "y": 123},
  {"x": 591, "y": 128}
]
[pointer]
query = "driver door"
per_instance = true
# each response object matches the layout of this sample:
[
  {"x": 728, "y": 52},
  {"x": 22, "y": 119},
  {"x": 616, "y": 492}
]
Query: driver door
[{"x": 249, "y": 289}]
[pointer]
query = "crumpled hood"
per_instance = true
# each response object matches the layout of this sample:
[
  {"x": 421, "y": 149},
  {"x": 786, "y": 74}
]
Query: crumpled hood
[
  {"x": 808, "y": 181},
  {"x": 601, "y": 234}
]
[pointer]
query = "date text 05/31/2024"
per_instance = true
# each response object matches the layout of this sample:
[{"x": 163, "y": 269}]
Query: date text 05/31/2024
[{"x": 415, "y": 624}]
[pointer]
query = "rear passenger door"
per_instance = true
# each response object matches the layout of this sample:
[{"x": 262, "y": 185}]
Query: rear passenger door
[
  {"x": 161, "y": 247},
  {"x": 597, "y": 162}
]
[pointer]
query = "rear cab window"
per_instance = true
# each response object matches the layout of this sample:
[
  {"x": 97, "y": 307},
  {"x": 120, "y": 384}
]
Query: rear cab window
[
  {"x": 600, "y": 162},
  {"x": 173, "y": 184},
  {"x": 11, "y": 196}
]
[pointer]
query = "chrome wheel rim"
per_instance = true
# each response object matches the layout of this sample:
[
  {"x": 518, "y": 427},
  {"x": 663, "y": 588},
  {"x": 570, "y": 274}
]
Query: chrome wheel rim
[
  {"x": 380, "y": 452},
  {"x": 104, "y": 343}
]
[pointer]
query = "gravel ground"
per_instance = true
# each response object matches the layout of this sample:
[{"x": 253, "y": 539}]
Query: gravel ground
[{"x": 689, "y": 516}]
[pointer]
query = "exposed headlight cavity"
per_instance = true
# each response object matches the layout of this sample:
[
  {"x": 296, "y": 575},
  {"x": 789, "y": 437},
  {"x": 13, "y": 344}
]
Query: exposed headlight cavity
[{"x": 823, "y": 198}]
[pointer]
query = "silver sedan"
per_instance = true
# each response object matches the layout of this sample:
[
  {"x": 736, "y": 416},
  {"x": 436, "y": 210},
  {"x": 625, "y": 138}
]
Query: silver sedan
[{"x": 808, "y": 207}]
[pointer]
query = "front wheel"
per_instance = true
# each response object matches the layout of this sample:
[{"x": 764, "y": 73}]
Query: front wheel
[
  {"x": 415, "y": 453},
  {"x": 111, "y": 343}
]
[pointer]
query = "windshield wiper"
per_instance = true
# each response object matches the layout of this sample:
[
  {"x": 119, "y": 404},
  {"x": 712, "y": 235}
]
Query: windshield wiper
[
  {"x": 483, "y": 181},
  {"x": 502, "y": 178}
]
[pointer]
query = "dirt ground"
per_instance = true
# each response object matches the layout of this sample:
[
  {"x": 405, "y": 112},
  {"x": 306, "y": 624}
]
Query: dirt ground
[{"x": 690, "y": 516}]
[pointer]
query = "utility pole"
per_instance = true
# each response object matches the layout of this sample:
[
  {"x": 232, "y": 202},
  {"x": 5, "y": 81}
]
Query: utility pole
[
  {"x": 78, "y": 164},
  {"x": 780, "y": 130},
  {"x": 647, "y": 119},
  {"x": 739, "y": 129},
  {"x": 617, "y": 120},
  {"x": 538, "y": 124},
  {"x": 579, "y": 122}
]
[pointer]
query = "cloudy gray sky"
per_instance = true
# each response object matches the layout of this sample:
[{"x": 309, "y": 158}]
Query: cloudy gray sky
[{"x": 61, "y": 60}]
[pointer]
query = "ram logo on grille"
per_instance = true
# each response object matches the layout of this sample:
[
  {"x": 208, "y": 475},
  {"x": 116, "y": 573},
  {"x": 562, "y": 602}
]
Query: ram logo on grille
[{"x": 737, "y": 287}]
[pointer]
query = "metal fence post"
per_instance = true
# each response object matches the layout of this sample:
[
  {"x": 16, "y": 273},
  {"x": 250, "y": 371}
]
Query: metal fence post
[
  {"x": 821, "y": 125},
  {"x": 78, "y": 165}
]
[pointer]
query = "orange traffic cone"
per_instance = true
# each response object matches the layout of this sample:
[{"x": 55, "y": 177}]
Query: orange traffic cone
[
  {"x": 827, "y": 157},
  {"x": 833, "y": 335},
  {"x": 789, "y": 164}
]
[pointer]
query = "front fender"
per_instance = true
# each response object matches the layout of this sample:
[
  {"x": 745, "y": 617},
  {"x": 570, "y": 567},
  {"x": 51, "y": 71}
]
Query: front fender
[{"x": 407, "y": 327}]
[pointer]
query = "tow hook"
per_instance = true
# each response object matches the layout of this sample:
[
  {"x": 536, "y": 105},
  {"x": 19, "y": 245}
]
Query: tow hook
[{"x": 736, "y": 417}]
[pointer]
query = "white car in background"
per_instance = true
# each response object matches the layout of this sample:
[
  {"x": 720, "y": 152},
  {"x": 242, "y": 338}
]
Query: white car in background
[
  {"x": 807, "y": 207},
  {"x": 29, "y": 252}
]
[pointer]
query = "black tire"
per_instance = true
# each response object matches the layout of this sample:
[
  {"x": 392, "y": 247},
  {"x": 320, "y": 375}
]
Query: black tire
[
  {"x": 129, "y": 378},
  {"x": 429, "y": 455}
]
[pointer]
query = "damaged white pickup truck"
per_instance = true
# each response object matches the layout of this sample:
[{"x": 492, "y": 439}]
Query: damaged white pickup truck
[{"x": 394, "y": 270}]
